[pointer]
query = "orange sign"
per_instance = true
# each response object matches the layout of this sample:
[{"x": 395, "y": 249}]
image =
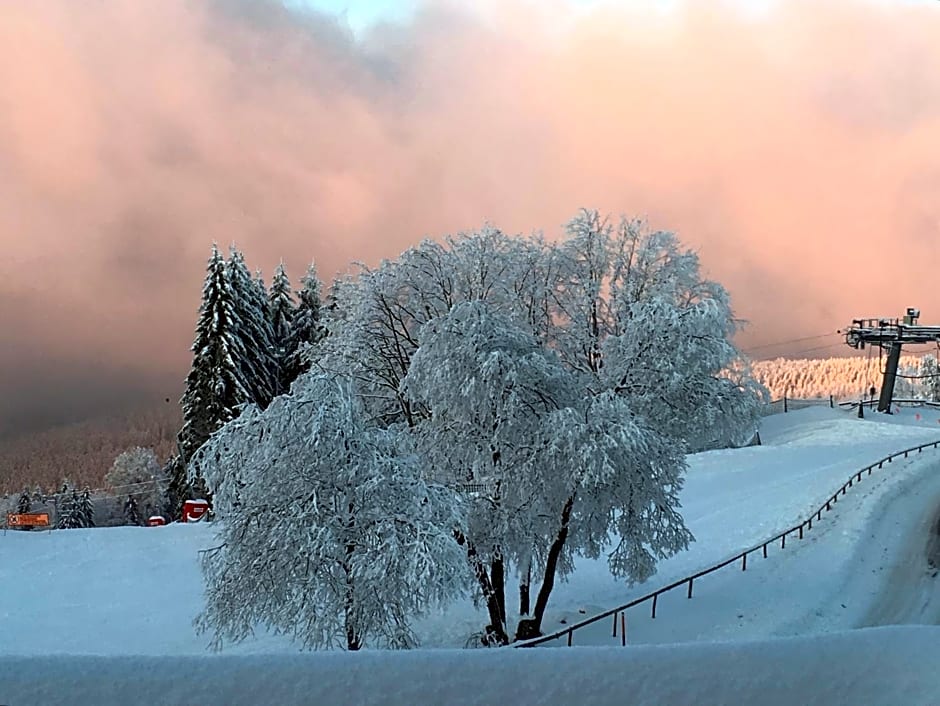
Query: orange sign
[{"x": 27, "y": 519}]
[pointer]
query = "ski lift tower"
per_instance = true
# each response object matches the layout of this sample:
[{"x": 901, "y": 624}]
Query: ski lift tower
[{"x": 890, "y": 334}]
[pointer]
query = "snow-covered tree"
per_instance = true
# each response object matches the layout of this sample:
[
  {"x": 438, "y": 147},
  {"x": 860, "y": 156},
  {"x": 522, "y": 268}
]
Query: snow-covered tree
[
  {"x": 281, "y": 309},
  {"x": 178, "y": 488},
  {"x": 87, "y": 509},
  {"x": 25, "y": 503},
  {"x": 132, "y": 511},
  {"x": 557, "y": 462},
  {"x": 566, "y": 381},
  {"x": 70, "y": 509},
  {"x": 137, "y": 473},
  {"x": 329, "y": 533},
  {"x": 215, "y": 386},
  {"x": 306, "y": 327},
  {"x": 256, "y": 360},
  {"x": 930, "y": 372},
  {"x": 638, "y": 347}
]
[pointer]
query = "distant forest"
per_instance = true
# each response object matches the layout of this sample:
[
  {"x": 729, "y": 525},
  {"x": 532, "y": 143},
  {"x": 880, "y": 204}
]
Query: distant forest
[
  {"x": 83, "y": 452},
  {"x": 845, "y": 378}
]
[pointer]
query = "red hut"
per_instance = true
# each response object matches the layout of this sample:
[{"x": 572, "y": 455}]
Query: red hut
[{"x": 193, "y": 510}]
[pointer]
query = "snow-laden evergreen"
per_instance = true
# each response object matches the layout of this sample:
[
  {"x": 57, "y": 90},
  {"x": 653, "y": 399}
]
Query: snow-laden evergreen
[
  {"x": 306, "y": 328},
  {"x": 257, "y": 362},
  {"x": 215, "y": 386},
  {"x": 74, "y": 509},
  {"x": 281, "y": 311},
  {"x": 330, "y": 533},
  {"x": 131, "y": 511}
]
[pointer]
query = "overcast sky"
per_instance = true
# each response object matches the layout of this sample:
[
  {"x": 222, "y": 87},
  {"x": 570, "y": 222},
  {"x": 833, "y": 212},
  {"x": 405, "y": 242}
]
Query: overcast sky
[{"x": 796, "y": 147}]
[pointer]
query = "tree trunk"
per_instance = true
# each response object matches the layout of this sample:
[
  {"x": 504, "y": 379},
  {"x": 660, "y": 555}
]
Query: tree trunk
[
  {"x": 533, "y": 626},
  {"x": 498, "y": 580},
  {"x": 524, "y": 583},
  {"x": 496, "y": 631}
]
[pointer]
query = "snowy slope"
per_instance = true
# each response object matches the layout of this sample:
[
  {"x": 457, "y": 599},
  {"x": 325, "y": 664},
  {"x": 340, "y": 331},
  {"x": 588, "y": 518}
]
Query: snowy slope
[
  {"x": 126, "y": 591},
  {"x": 879, "y": 667}
]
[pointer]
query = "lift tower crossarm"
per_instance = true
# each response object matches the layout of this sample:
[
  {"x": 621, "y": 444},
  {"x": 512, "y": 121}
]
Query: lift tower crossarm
[{"x": 890, "y": 334}]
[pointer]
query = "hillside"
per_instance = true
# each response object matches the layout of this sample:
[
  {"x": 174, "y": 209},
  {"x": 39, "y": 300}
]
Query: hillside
[
  {"x": 844, "y": 378},
  {"x": 84, "y": 451}
]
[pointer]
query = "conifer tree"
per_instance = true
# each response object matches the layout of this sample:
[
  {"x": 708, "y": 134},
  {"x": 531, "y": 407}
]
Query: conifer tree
[
  {"x": 306, "y": 327},
  {"x": 131, "y": 511},
  {"x": 255, "y": 362},
  {"x": 281, "y": 310},
  {"x": 179, "y": 489},
  {"x": 215, "y": 386},
  {"x": 86, "y": 509},
  {"x": 24, "y": 504},
  {"x": 70, "y": 509}
]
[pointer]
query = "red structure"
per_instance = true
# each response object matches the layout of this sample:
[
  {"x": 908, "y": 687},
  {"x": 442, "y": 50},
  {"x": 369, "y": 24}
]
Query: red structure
[
  {"x": 156, "y": 521},
  {"x": 193, "y": 510}
]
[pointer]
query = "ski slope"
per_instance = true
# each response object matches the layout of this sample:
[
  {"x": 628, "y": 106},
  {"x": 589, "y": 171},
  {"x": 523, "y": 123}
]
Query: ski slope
[{"x": 135, "y": 591}]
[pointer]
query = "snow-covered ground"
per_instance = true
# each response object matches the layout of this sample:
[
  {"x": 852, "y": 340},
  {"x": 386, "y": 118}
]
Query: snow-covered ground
[
  {"x": 135, "y": 591},
  {"x": 883, "y": 666}
]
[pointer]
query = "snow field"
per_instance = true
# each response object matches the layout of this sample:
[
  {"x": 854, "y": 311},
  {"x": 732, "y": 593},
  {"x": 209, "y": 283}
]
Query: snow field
[
  {"x": 877, "y": 667},
  {"x": 90, "y": 616}
]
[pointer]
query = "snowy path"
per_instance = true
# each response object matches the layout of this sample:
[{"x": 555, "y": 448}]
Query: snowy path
[{"x": 910, "y": 590}]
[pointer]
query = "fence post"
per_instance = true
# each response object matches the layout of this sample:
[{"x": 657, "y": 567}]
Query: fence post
[
  {"x": 623, "y": 629},
  {"x": 801, "y": 531},
  {"x": 783, "y": 541},
  {"x": 744, "y": 562},
  {"x": 615, "y": 625},
  {"x": 690, "y": 588},
  {"x": 655, "y": 596},
  {"x": 784, "y": 404},
  {"x": 765, "y": 550},
  {"x": 831, "y": 402},
  {"x": 569, "y": 638},
  {"x": 809, "y": 523}
]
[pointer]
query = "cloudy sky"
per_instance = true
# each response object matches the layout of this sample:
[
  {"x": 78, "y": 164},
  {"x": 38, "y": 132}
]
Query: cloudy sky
[{"x": 794, "y": 144}]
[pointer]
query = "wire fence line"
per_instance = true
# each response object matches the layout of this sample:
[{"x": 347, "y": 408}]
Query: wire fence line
[{"x": 799, "y": 530}]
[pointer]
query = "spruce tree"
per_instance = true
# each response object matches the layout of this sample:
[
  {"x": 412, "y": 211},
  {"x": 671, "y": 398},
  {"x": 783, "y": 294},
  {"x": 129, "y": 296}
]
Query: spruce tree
[
  {"x": 70, "y": 509},
  {"x": 306, "y": 327},
  {"x": 179, "y": 489},
  {"x": 281, "y": 311},
  {"x": 131, "y": 511},
  {"x": 24, "y": 505},
  {"x": 255, "y": 362},
  {"x": 86, "y": 509},
  {"x": 215, "y": 386}
]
